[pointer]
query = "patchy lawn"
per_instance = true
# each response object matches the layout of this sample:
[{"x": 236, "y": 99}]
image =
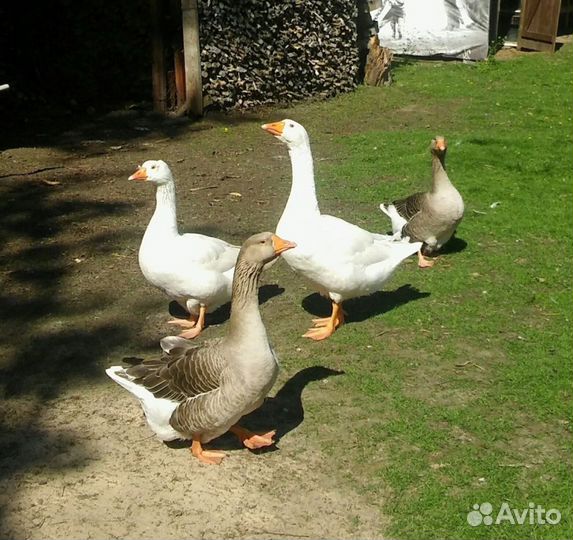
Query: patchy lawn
[{"x": 456, "y": 383}]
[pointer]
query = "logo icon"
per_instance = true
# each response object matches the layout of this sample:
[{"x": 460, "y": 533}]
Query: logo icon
[{"x": 481, "y": 513}]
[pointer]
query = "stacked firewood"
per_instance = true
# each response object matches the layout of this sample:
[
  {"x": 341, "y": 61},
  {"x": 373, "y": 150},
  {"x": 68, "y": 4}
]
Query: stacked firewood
[{"x": 267, "y": 51}]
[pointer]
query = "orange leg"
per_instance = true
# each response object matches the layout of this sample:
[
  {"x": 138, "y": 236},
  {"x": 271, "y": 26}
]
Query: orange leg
[
  {"x": 324, "y": 328},
  {"x": 190, "y": 322},
  {"x": 198, "y": 327},
  {"x": 423, "y": 262},
  {"x": 252, "y": 440},
  {"x": 211, "y": 457}
]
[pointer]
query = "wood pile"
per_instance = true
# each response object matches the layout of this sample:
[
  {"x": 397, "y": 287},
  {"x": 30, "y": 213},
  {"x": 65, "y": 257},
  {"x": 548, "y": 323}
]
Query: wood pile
[{"x": 255, "y": 52}]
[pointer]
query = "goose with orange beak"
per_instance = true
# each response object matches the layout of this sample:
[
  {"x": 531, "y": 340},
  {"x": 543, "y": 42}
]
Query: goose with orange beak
[
  {"x": 340, "y": 260},
  {"x": 193, "y": 269},
  {"x": 431, "y": 217},
  {"x": 200, "y": 392}
]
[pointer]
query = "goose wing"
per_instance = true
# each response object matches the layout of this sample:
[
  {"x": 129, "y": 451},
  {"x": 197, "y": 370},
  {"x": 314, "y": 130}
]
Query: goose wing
[
  {"x": 213, "y": 253},
  {"x": 184, "y": 371},
  {"x": 409, "y": 206},
  {"x": 344, "y": 241}
]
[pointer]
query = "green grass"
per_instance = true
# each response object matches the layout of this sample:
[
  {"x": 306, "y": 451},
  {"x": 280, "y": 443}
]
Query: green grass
[{"x": 434, "y": 434}]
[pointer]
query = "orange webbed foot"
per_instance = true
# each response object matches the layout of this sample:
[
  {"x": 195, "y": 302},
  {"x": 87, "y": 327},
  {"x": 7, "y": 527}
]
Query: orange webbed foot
[
  {"x": 325, "y": 327},
  {"x": 320, "y": 333},
  {"x": 319, "y": 323},
  {"x": 253, "y": 440},
  {"x": 194, "y": 330},
  {"x": 260, "y": 441},
  {"x": 184, "y": 323},
  {"x": 211, "y": 457},
  {"x": 423, "y": 262},
  {"x": 192, "y": 333}
]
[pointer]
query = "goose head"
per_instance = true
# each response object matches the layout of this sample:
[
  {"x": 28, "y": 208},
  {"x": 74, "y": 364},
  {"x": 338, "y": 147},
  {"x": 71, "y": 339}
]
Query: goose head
[
  {"x": 289, "y": 132},
  {"x": 439, "y": 146},
  {"x": 155, "y": 171},
  {"x": 262, "y": 248}
]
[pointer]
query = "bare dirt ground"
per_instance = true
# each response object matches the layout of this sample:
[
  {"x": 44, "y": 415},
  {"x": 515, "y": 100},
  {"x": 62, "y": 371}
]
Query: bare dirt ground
[{"x": 77, "y": 459}]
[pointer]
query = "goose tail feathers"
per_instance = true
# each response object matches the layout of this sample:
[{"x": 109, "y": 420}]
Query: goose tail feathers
[
  {"x": 397, "y": 220},
  {"x": 120, "y": 376}
]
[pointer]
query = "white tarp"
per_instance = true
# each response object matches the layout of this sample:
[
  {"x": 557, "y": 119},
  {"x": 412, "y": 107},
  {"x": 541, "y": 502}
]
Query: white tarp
[{"x": 455, "y": 28}]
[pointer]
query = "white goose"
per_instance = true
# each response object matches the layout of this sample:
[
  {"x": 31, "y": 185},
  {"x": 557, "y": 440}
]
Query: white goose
[
  {"x": 192, "y": 269},
  {"x": 341, "y": 260}
]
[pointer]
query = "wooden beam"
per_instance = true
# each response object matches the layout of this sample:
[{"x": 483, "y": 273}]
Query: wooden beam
[
  {"x": 192, "y": 53},
  {"x": 158, "y": 71},
  {"x": 535, "y": 45},
  {"x": 179, "y": 62}
]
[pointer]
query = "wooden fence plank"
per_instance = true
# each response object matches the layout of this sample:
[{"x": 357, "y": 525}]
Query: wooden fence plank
[
  {"x": 192, "y": 52},
  {"x": 539, "y": 21}
]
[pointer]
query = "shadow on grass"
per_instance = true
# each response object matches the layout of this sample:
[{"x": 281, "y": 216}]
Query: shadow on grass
[
  {"x": 360, "y": 309},
  {"x": 455, "y": 245},
  {"x": 283, "y": 412}
]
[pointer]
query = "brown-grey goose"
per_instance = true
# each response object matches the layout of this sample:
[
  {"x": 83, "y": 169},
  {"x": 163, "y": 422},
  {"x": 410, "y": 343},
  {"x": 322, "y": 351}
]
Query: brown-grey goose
[
  {"x": 432, "y": 216},
  {"x": 200, "y": 392}
]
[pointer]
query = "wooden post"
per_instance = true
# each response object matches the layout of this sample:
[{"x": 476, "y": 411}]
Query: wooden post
[
  {"x": 192, "y": 52},
  {"x": 179, "y": 62},
  {"x": 158, "y": 72}
]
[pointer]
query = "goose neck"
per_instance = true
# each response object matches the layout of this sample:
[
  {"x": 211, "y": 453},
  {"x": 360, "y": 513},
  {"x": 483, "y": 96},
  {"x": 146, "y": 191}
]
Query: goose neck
[
  {"x": 245, "y": 321},
  {"x": 165, "y": 215},
  {"x": 303, "y": 191},
  {"x": 439, "y": 175}
]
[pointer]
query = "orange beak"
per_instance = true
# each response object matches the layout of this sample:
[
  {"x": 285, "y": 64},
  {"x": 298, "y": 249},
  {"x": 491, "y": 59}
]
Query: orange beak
[
  {"x": 276, "y": 128},
  {"x": 281, "y": 245},
  {"x": 140, "y": 174},
  {"x": 441, "y": 144}
]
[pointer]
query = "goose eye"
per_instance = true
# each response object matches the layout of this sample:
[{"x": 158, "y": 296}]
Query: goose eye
[{"x": 291, "y": 125}]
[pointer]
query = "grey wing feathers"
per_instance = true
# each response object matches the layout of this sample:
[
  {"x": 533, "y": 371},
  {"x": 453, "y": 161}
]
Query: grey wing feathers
[
  {"x": 181, "y": 373},
  {"x": 409, "y": 206}
]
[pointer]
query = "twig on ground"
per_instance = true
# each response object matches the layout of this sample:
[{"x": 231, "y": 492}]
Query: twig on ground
[
  {"x": 201, "y": 187},
  {"x": 35, "y": 171},
  {"x": 469, "y": 363},
  {"x": 292, "y": 535}
]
